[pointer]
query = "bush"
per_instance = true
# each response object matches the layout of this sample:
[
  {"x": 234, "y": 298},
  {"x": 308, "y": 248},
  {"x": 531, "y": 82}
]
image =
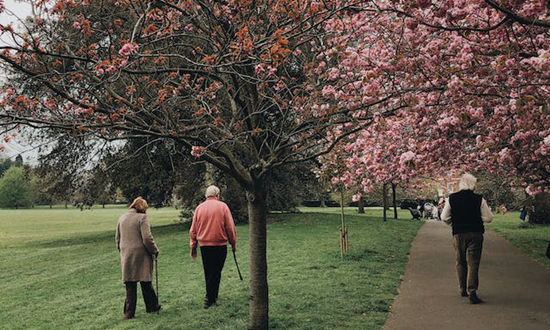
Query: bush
[
  {"x": 15, "y": 191},
  {"x": 185, "y": 217},
  {"x": 525, "y": 225}
]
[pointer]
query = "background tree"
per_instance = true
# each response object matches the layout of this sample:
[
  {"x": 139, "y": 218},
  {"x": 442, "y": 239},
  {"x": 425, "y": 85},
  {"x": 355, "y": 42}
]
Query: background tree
[
  {"x": 15, "y": 190},
  {"x": 62, "y": 167},
  {"x": 4, "y": 165},
  {"x": 150, "y": 168}
]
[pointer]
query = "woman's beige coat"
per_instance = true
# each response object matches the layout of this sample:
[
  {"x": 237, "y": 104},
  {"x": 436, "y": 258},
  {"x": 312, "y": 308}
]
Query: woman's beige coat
[{"x": 136, "y": 245}]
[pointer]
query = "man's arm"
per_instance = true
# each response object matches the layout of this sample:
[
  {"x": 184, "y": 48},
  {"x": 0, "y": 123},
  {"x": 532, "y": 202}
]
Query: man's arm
[
  {"x": 193, "y": 234},
  {"x": 446, "y": 213},
  {"x": 193, "y": 231},
  {"x": 230, "y": 228},
  {"x": 486, "y": 214}
]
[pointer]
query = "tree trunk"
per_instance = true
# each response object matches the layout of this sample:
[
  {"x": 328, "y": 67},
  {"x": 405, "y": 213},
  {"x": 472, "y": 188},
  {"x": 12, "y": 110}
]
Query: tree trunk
[
  {"x": 361, "y": 206},
  {"x": 323, "y": 202},
  {"x": 66, "y": 204},
  {"x": 385, "y": 199},
  {"x": 343, "y": 234},
  {"x": 257, "y": 213},
  {"x": 394, "y": 202}
]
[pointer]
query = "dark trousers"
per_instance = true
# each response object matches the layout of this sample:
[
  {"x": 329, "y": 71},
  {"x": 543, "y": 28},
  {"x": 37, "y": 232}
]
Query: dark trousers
[
  {"x": 213, "y": 259},
  {"x": 149, "y": 296},
  {"x": 468, "y": 248}
]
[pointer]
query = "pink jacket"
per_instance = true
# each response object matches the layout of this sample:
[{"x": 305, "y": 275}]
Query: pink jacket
[{"x": 212, "y": 224}]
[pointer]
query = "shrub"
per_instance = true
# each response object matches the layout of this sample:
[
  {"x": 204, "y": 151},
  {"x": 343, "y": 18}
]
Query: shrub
[
  {"x": 525, "y": 225},
  {"x": 185, "y": 217}
]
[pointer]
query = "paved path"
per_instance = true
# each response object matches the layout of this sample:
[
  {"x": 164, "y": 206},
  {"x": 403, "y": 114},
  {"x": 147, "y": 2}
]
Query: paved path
[{"x": 515, "y": 288}]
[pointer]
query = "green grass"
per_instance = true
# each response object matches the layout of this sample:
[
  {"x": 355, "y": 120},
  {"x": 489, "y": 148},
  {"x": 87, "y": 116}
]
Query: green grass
[
  {"x": 60, "y": 270},
  {"x": 532, "y": 240}
]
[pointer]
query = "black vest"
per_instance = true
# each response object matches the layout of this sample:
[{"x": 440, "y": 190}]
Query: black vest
[{"x": 466, "y": 212}]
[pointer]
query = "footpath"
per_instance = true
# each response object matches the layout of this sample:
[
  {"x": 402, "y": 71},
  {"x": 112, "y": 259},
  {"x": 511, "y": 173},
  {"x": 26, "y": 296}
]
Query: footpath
[{"x": 515, "y": 288}]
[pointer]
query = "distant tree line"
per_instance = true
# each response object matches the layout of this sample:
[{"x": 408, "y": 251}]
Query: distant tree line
[
  {"x": 75, "y": 171},
  {"x": 79, "y": 173}
]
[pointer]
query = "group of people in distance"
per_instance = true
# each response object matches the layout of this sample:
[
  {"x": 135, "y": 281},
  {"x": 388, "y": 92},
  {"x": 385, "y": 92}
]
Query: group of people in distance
[{"x": 212, "y": 228}]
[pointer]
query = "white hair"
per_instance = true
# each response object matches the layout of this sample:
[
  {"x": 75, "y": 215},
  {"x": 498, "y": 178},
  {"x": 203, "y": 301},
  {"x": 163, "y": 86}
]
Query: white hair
[
  {"x": 212, "y": 191},
  {"x": 467, "y": 182}
]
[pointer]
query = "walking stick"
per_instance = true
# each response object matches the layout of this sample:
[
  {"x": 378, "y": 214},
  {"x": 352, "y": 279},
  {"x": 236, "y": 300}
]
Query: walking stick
[
  {"x": 237, "y": 264},
  {"x": 157, "y": 280}
]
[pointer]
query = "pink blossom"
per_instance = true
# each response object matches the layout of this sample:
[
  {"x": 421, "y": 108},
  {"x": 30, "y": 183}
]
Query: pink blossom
[
  {"x": 76, "y": 25},
  {"x": 128, "y": 49},
  {"x": 198, "y": 151},
  {"x": 329, "y": 91},
  {"x": 259, "y": 69},
  {"x": 406, "y": 157}
]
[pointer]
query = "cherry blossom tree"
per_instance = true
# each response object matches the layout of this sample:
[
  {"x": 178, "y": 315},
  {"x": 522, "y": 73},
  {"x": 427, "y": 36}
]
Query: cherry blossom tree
[
  {"x": 240, "y": 84},
  {"x": 473, "y": 80}
]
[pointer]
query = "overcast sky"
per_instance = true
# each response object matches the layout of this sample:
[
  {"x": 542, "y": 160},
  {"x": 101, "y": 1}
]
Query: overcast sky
[
  {"x": 16, "y": 9},
  {"x": 19, "y": 9}
]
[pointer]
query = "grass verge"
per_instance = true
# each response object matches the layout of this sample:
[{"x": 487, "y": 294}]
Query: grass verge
[
  {"x": 60, "y": 270},
  {"x": 531, "y": 239}
]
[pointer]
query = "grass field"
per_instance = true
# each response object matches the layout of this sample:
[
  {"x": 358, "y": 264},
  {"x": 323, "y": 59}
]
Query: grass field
[
  {"x": 532, "y": 240},
  {"x": 60, "y": 270}
]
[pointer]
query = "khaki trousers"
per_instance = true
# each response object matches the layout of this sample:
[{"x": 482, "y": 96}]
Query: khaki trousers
[{"x": 468, "y": 247}]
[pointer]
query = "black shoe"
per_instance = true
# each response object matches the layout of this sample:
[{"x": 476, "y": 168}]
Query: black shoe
[
  {"x": 208, "y": 304},
  {"x": 159, "y": 307},
  {"x": 474, "y": 299},
  {"x": 463, "y": 293}
]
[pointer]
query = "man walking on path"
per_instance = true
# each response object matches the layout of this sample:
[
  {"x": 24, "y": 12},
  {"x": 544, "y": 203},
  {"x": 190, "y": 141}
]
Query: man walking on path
[
  {"x": 466, "y": 212},
  {"x": 212, "y": 227}
]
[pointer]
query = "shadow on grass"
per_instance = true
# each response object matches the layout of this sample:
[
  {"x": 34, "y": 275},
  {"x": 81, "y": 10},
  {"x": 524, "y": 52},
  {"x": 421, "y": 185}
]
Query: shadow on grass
[{"x": 100, "y": 237}]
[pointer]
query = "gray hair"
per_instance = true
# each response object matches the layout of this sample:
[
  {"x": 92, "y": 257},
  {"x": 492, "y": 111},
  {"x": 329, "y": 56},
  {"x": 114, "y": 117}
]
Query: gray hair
[
  {"x": 212, "y": 191},
  {"x": 467, "y": 182}
]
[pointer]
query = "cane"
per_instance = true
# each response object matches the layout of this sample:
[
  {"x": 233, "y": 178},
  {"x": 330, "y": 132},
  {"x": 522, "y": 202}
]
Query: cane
[
  {"x": 157, "y": 280},
  {"x": 237, "y": 264}
]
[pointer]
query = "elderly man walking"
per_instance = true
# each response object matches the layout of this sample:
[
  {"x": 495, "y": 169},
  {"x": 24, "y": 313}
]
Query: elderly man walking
[
  {"x": 466, "y": 212},
  {"x": 212, "y": 228}
]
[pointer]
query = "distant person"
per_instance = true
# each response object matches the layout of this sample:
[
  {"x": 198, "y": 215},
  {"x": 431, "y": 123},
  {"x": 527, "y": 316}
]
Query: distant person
[
  {"x": 440, "y": 206},
  {"x": 212, "y": 228},
  {"x": 466, "y": 212},
  {"x": 137, "y": 248},
  {"x": 502, "y": 209}
]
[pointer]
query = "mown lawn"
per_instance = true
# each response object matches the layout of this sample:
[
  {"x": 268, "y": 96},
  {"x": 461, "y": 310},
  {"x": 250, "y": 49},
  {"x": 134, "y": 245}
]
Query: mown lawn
[
  {"x": 533, "y": 240},
  {"x": 60, "y": 270}
]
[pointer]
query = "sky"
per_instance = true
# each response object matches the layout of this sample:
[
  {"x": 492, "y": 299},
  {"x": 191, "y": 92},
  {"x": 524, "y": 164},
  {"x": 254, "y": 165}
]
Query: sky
[{"x": 16, "y": 9}]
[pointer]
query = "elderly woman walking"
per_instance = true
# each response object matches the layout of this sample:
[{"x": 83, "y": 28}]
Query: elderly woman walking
[{"x": 137, "y": 248}]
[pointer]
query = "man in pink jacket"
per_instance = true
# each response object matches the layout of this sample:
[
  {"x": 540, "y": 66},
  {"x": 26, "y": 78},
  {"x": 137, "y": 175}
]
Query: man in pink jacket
[{"x": 212, "y": 227}]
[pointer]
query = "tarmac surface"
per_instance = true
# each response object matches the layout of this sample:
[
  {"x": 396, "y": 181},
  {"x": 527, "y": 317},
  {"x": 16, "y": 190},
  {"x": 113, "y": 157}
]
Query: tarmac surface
[{"x": 515, "y": 288}]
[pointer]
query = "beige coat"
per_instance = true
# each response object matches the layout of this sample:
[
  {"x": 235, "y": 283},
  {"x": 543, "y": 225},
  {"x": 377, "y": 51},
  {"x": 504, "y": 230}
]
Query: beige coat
[{"x": 136, "y": 245}]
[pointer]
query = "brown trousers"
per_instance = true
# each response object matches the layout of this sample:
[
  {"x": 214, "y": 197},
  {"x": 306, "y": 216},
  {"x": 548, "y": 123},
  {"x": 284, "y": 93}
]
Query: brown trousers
[
  {"x": 149, "y": 297},
  {"x": 468, "y": 248}
]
